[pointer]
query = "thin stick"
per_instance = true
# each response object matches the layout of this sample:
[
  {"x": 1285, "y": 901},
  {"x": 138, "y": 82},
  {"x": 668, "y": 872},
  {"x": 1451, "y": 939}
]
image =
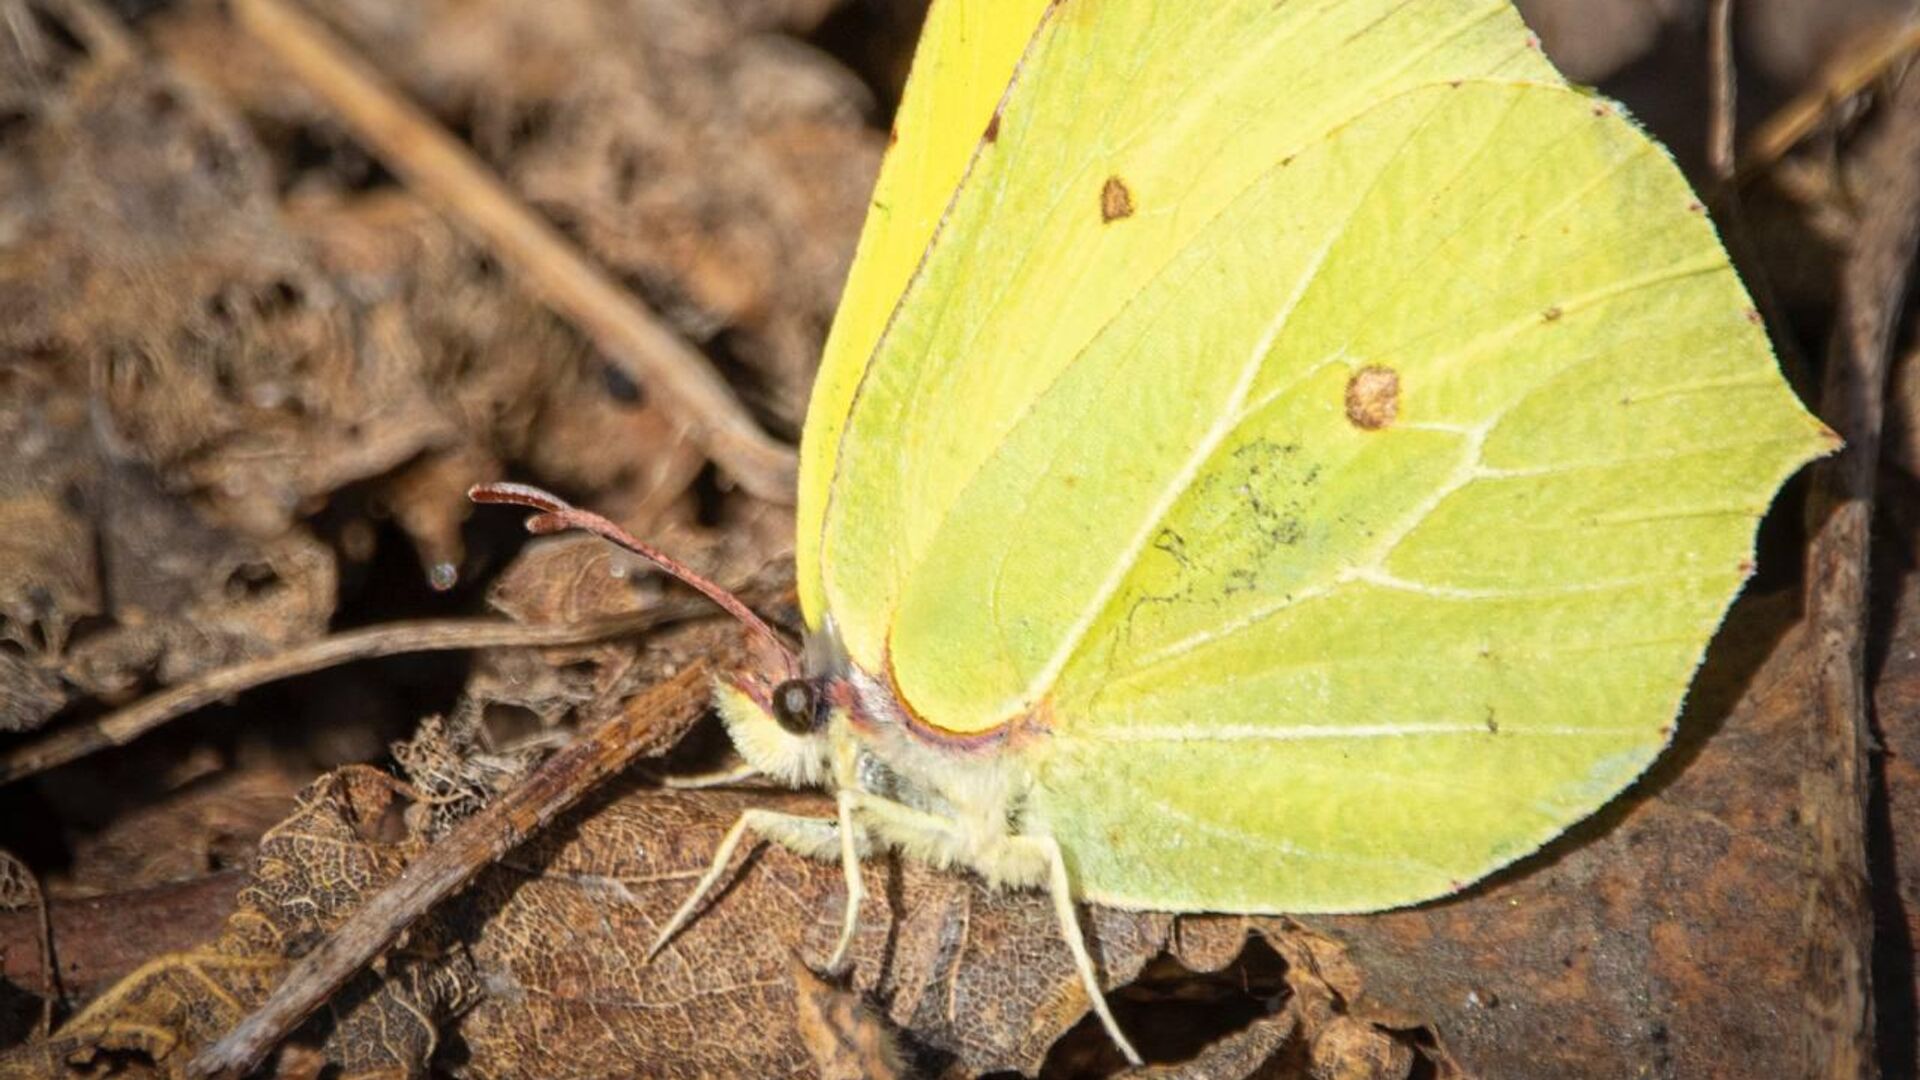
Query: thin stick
[
  {"x": 1849, "y": 74},
  {"x": 1723, "y": 91},
  {"x": 1724, "y": 192},
  {"x": 648, "y": 724},
  {"x": 125, "y": 725},
  {"x": 1836, "y": 909},
  {"x": 449, "y": 176}
]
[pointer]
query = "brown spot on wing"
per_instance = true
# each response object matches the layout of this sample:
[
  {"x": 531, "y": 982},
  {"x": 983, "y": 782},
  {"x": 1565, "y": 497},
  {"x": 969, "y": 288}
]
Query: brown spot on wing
[
  {"x": 993, "y": 128},
  {"x": 1373, "y": 397},
  {"x": 1116, "y": 201}
]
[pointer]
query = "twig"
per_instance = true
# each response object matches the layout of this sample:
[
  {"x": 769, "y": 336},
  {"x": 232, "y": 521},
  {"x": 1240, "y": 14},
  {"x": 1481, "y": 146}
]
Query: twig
[
  {"x": 106, "y": 39},
  {"x": 1724, "y": 192},
  {"x": 648, "y": 724},
  {"x": 447, "y": 174},
  {"x": 1838, "y": 1025},
  {"x": 1723, "y": 90},
  {"x": 125, "y": 725},
  {"x": 1847, "y": 75}
]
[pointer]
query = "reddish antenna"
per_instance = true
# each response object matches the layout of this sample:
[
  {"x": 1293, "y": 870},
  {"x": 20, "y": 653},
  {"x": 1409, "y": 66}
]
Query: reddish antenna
[{"x": 557, "y": 515}]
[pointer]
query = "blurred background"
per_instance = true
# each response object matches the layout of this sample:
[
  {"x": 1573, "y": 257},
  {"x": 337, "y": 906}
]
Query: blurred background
[{"x": 247, "y": 372}]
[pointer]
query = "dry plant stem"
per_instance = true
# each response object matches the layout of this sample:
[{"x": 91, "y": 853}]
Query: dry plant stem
[
  {"x": 1724, "y": 192},
  {"x": 123, "y": 726},
  {"x": 444, "y": 172},
  {"x": 1849, "y": 74},
  {"x": 1838, "y": 1025},
  {"x": 106, "y": 39},
  {"x": 1724, "y": 90},
  {"x": 646, "y": 725}
]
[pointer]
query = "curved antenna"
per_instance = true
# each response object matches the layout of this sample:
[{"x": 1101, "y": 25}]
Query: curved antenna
[{"x": 557, "y": 515}]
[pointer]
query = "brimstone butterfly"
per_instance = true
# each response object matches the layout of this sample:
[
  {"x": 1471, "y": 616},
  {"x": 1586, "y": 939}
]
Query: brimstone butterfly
[{"x": 1272, "y": 456}]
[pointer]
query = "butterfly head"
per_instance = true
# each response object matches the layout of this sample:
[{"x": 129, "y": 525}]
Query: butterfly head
[{"x": 779, "y": 708}]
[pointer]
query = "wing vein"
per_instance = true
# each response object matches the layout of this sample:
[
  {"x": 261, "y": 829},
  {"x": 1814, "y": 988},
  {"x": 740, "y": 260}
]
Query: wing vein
[{"x": 1224, "y": 425}]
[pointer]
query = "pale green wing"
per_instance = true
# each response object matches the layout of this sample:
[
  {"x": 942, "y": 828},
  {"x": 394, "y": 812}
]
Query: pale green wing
[
  {"x": 1426, "y": 577},
  {"x": 1339, "y": 448},
  {"x": 1131, "y": 133},
  {"x": 967, "y": 53}
]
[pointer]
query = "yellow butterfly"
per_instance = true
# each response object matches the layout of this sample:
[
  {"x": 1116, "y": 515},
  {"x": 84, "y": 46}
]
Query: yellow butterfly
[{"x": 1271, "y": 457}]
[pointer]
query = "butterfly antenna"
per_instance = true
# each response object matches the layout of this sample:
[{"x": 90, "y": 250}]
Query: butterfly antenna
[{"x": 557, "y": 515}]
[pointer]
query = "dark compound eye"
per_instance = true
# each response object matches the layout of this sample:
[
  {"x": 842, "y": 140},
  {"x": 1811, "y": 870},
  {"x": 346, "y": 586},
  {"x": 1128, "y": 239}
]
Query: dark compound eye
[{"x": 794, "y": 703}]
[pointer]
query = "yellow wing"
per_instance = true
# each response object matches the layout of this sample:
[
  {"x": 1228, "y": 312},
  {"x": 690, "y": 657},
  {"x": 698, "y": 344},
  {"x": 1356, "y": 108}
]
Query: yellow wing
[
  {"x": 967, "y": 53},
  {"x": 1332, "y": 436}
]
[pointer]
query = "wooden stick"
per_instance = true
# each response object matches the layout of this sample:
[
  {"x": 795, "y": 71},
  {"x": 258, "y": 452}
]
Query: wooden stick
[
  {"x": 648, "y": 724},
  {"x": 125, "y": 725},
  {"x": 1847, "y": 75},
  {"x": 449, "y": 176},
  {"x": 1836, "y": 909},
  {"x": 1723, "y": 90}
]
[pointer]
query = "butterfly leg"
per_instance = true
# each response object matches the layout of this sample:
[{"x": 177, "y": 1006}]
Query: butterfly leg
[
  {"x": 1021, "y": 861},
  {"x": 850, "y": 840},
  {"x": 811, "y": 837},
  {"x": 1060, "y": 888}
]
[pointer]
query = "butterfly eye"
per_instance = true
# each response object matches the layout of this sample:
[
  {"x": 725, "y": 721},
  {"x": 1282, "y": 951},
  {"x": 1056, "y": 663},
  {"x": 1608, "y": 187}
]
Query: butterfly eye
[{"x": 794, "y": 704}]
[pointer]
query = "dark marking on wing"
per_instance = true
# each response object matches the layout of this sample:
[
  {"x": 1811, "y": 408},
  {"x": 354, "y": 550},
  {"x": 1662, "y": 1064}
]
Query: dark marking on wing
[
  {"x": 992, "y": 133},
  {"x": 1244, "y": 512}
]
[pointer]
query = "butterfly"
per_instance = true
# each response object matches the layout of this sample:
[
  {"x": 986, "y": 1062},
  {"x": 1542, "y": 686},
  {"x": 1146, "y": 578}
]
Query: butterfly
[{"x": 1270, "y": 457}]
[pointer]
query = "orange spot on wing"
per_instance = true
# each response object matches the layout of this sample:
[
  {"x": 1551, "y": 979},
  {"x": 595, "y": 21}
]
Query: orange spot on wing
[
  {"x": 1116, "y": 201},
  {"x": 1373, "y": 398}
]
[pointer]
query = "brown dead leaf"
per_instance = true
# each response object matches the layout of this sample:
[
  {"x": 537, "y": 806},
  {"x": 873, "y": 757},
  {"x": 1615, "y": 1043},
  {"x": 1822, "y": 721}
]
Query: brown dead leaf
[
  {"x": 100, "y": 940},
  {"x": 205, "y": 824},
  {"x": 938, "y": 949},
  {"x": 847, "y": 1039}
]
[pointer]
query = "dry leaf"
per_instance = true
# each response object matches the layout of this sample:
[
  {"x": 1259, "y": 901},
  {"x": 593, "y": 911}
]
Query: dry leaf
[{"x": 847, "y": 1039}]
